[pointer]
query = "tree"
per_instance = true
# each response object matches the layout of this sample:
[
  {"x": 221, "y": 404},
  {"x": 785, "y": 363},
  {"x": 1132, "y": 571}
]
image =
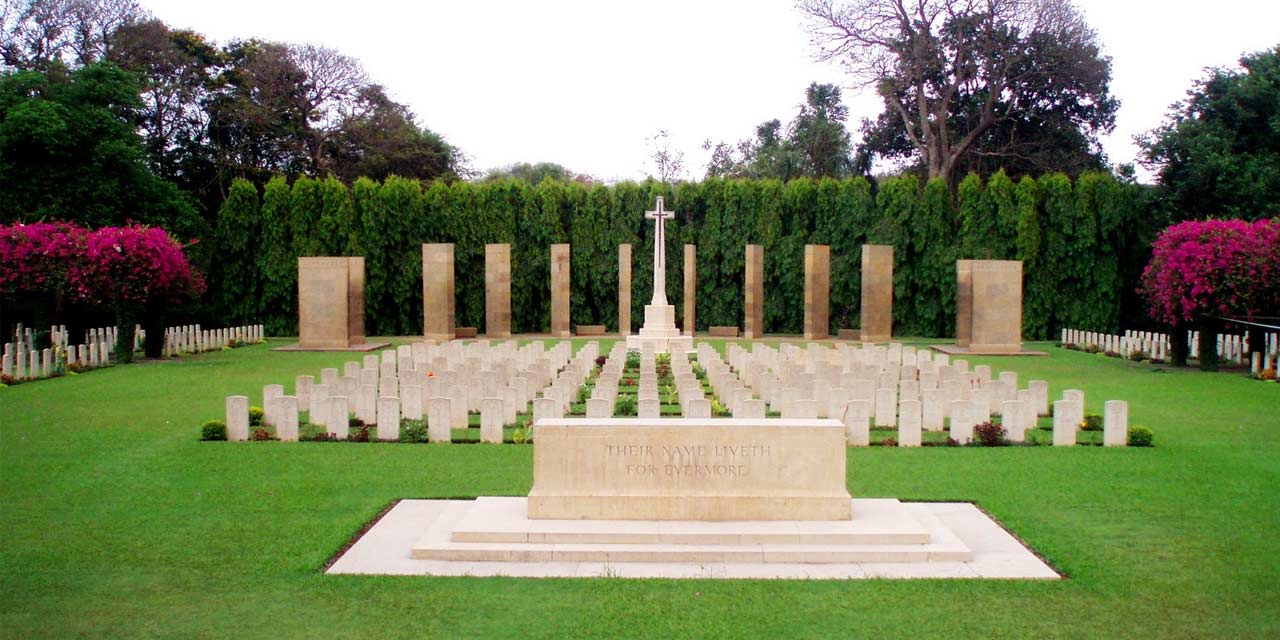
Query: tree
[
  {"x": 237, "y": 239},
  {"x": 815, "y": 144},
  {"x": 1218, "y": 152},
  {"x": 1203, "y": 269},
  {"x": 533, "y": 174},
  {"x": 36, "y": 34},
  {"x": 377, "y": 137},
  {"x": 965, "y": 78},
  {"x": 69, "y": 150},
  {"x": 668, "y": 160},
  {"x": 136, "y": 271}
]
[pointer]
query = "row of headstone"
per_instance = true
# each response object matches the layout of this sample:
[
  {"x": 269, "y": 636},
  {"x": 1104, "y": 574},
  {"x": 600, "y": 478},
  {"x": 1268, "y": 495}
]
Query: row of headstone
[
  {"x": 441, "y": 383},
  {"x": 1231, "y": 348},
  {"x": 881, "y": 386},
  {"x": 22, "y": 360},
  {"x": 195, "y": 339}
]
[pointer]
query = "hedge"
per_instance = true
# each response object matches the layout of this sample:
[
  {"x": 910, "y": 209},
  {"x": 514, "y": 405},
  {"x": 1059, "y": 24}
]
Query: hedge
[{"x": 1075, "y": 240}]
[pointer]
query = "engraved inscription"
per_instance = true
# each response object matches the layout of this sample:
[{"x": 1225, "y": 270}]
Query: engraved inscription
[{"x": 688, "y": 460}]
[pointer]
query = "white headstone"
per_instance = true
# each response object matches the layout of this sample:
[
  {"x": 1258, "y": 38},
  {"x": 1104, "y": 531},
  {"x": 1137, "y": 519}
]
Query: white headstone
[
  {"x": 439, "y": 419},
  {"x": 1115, "y": 423},
  {"x": 237, "y": 418},
  {"x": 388, "y": 418}
]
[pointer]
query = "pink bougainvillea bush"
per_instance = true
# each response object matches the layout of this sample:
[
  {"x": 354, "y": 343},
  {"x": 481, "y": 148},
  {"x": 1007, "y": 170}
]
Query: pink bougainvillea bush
[
  {"x": 134, "y": 265},
  {"x": 37, "y": 257},
  {"x": 1220, "y": 267}
]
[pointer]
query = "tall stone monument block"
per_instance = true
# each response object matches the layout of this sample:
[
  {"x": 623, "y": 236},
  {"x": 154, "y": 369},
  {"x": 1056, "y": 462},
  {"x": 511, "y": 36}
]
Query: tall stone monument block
[
  {"x": 330, "y": 303},
  {"x": 817, "y": 291},
  {"x": 437, "y": 291},
  {"x": 989, "y": 305},
  {"x": 497, "y": 290},
  {"x": 753, "y": 323},
  {"x": 690, "y": 288},
  {"x": 560, "y": 266},
  {"x": 877, "y": 292},
  {"x": 624, "y": 289}
]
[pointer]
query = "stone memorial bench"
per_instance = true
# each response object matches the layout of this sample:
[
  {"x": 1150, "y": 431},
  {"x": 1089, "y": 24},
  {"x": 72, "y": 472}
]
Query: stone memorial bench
[
  {"x": 590, "y": 329},
  {"x": 724, "y": 332},
  {"x": 849, "y": 334},
  {"x": 465, "y": 332}
]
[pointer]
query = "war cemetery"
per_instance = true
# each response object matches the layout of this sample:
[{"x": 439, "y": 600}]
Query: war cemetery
[{"x": 372, "y": 398}]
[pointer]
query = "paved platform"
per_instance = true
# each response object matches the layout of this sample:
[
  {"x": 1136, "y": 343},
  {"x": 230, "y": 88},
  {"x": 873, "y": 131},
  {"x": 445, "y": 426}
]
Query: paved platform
[
  {"x": 885, "y": 539},
  {"x": 957, "y": 350},
  {"x": 364, "y": 346}
]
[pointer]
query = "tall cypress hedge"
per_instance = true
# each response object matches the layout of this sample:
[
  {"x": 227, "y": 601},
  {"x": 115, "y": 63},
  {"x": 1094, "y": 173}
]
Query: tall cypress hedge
[{"x": 1076, "y": 241}]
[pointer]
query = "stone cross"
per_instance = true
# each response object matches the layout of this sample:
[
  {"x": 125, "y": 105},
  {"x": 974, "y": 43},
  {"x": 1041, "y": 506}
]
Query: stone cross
[{"x": 659, "y": 217}]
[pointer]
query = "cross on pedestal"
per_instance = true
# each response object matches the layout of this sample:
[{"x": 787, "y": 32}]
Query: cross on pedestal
[{"x": 659, "y": 217}]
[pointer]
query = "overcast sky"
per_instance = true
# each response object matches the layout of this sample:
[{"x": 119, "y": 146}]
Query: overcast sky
[{"x": 586, "y": 84}]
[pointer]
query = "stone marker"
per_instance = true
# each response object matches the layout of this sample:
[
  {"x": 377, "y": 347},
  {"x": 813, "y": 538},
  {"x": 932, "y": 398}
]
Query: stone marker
[
  {"x": 729, "y": 470},
  {"x": 1011, "y": 418},
  {"x": 544, "y": 408},
  {"x": 440, "y": 419},
  {"x": 438, "y": 293},
  {"x": 497, "y": 290},
  {"x": 857, "y": 422},
  {"x": 270, "y": 393},
  {"x": 624, "y": 289},
  {"x": 599, "y": 408},
  {"x": 1065, "y": 423},
  {"x": 237, "y": 418},
  {"x": 491, "y": 411},
  {"x": 338, "y": 420},
  {"x": 1074, "y": 395},
  {"x": 560, "y": 272},
  {"x": 367, "y": 404},
  {"x": 803, "y": 409},
  {"x": 698, "y": 408},
  {"x": 962, "y": 421},
  {"x": 817, "y": 291},
  {"x": 886, "y": 408},
  {"x": 752, "y": 409},
  {"x": 989, "y": 305},
  {"x": 1115, "y": 423},
  {"x": 411, "y": 402},
  {"x": 1040, "y": 394},
  {"x": 931, "y": 410},
  {"x": 302, "y": 390},
  {"x": 909, "y": 422},
  {"x": 388, "y": 418},
  {"x": 690, "y": 289},
  {"x": 753, "y": 324},
  {"x": 877, "y": 293},
  {"x": 287, "y": 418},
  {"x": 330, "y": 302},
  {"x": 648, "y": 408}
]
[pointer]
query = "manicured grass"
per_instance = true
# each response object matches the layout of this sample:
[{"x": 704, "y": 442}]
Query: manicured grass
[{"x": 117, "y": 521}]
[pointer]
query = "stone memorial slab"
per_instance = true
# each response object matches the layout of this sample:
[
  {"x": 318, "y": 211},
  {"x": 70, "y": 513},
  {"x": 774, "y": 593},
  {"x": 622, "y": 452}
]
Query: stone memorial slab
[
  {"x": 689, "y": 469},
  {"x": 624, "y": 289},
  {"x": 331, "y": 303},
  {"x": 690, "y": 310}
]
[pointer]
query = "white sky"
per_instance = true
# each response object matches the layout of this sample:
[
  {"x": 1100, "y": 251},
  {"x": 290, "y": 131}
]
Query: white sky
[{"x": 586, "y": 83}]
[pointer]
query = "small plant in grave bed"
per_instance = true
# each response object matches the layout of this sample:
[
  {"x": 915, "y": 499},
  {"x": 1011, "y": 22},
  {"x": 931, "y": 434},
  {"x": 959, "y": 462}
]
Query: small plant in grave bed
[
  {"x": 1267, "y": 374},
  {"x": 255, "y": 416},
  {"x": 214, "y": 430},
  {"x": 261, "y": 435},
  {"x": 989, "y": 434},
  {"x": 413, "y": 430},
  {"x": 625, "y": 406},
  {"x": 359, "y": 432},
  {"x": 633, "y": 359},
  {"x": 889, "y": 442},
  {"x": 600, "y": 360},
  {"x": 319, "y": 436},
  {"x": 1091, "y": 422},
  {"x": 522, "y": 435},
  {"x": 718, "y": 410},
  {"x": 1140, "y": 436},
  {"x": 584, "y": 394}
]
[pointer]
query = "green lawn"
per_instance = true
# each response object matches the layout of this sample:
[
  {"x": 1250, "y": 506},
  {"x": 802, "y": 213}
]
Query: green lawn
[{"x": 116, "y": 521}]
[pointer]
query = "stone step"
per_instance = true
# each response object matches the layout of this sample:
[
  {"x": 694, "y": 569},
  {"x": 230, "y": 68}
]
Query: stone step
[
  {"x": 504, "y": 520},
  {"x": 438, "y": 543}
]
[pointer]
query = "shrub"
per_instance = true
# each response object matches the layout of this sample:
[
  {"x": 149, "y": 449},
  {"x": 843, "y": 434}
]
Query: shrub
[
  {"x": 1140, "y": 436},
  {"x": 359, "y": 433},
  {"x": 214, "y": 430},
  {"x": 413, "y": 431},
  {"x": 8, "y": 380},
  {"x": 633, "y": 359},
  {"x": 1092, "y": 422},
  {"x": 260, "y": 435},
  {"x": 1267, "y": 374},
  {"x": 1136, "y": 355},
  {"x": 600, "y": 360},
  {"x": 319, "y": 436},
  {"x": 888, "y": 442},
  {"x": 255, "y": 416},
  {"x": 584, "y": 394},
  {"x": 625, "y": 406},
  {"x": 989, "y": 434},
  {"x": 522, "y": 435},
  {"x": 718, "y": 410}
]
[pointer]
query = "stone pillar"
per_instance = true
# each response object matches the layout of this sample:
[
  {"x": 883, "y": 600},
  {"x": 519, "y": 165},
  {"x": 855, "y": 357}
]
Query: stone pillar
[
  {"x": 877, "y": 293},
  {"x": 237, "y": 418},
  {"x": 964, "y": 302},
  {"x": 690, "y": 289},
  {"x": 437, "y": 292},
  {"x": 624, "y": 289},
  {"x": 817, "y": 291},
  {"x": 497, "y": 290},
  {"x": 560, "y": 272},
  {"x": 330, "y": 302},
  {"x": 1115, "y": 423},
  {"x": 753, "y": 325}
]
